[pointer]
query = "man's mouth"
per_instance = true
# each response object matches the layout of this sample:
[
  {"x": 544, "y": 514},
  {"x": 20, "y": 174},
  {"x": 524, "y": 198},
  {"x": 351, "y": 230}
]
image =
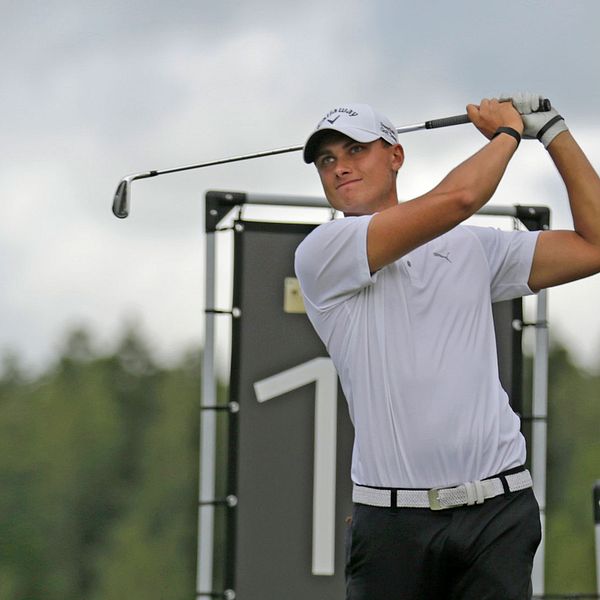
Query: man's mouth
[{"x": 341, "y": 185}]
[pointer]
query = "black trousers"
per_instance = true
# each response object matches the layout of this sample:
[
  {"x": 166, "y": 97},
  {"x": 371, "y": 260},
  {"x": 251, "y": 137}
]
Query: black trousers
[{"x": 481, "y": 552}]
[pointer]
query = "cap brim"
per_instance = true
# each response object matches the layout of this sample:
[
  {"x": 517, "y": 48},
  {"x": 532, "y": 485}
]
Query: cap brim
[{"x": 312, "y": 144}]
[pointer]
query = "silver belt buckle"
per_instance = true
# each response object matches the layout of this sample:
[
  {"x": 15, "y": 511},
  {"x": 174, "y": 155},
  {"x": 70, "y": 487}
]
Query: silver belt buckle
[{"x": 434, "y": 499}]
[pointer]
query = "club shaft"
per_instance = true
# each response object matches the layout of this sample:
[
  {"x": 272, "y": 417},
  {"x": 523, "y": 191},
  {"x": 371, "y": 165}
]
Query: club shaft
[
  {"x": 457, "y": 120},
  {"x": 231, "y": 159}
]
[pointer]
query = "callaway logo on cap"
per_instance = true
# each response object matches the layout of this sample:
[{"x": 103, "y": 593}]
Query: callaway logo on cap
[{"x": 359, "y": 122}]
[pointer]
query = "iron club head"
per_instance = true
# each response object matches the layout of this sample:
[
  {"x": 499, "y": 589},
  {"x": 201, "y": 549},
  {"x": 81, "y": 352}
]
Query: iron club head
[
  {"x": 120, "y": 205},
  {"x": 121, "y": 200}
]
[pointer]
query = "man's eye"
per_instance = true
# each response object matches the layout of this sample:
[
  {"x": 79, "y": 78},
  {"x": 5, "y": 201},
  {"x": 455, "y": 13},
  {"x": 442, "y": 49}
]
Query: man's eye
[
  {"x": 356, "y": 148},
  {"x": 326, "y": 160}
]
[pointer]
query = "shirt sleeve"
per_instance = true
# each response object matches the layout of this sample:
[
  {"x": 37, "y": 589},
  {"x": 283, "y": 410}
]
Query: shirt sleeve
[
  {"x": 509, "y": 255},
  {"x": 331, "y": 263}
]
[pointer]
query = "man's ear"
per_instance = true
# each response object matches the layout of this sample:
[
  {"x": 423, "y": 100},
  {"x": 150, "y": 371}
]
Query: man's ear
[{"x": 397, "y": 156}]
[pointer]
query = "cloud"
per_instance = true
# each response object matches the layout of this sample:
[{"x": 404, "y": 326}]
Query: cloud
[{"x": 104, "y": 89}]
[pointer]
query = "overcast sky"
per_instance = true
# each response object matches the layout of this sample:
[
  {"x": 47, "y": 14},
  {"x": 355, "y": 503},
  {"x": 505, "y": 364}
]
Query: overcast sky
[{"x": 92, "y": 91}]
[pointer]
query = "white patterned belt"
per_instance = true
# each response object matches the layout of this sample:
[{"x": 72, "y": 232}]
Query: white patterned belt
[{"x": 465, "y": 494}]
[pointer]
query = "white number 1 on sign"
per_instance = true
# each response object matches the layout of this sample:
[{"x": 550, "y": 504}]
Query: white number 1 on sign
[{"x": 323, "y": 373}]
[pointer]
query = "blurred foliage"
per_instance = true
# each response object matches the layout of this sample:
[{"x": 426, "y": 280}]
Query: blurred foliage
[
  {"x": 98, "y": 468},
  {"x": 573, "y": 468},
  {"x": 99, "y": 475}
]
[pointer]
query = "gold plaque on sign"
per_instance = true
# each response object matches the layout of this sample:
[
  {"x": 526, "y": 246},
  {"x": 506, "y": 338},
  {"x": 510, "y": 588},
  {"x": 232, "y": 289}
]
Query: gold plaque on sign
[{"x": 292, "y": 296}]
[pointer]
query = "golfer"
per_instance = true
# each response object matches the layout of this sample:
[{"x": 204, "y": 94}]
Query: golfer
[{"x": 401, "y": 295}]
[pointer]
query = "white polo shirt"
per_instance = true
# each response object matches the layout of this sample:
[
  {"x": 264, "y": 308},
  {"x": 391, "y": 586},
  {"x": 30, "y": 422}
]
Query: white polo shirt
[{"x": 415, "y": 349}]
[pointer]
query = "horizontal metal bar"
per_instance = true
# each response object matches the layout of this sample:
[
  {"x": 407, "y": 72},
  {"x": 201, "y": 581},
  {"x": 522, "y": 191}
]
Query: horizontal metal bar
[
  {"x": 232, "y": 407},
  {"x": 315, "y": 201},
  {"x": 283, "y": 200},
  {"x": 531, "y": 418},
  {"x": 498, "y": 211},
  {"x": 235, "y": 312},
  {"x": 537, "y": 324},
  {"x": 230, "y": 501},
  {"x": 226, "y": 595}
]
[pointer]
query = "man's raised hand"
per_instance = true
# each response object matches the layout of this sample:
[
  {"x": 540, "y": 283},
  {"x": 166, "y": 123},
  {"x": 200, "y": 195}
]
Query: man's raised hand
[
  {"x": 539, "y": 124},
  {"x": 491, "y": 114}
]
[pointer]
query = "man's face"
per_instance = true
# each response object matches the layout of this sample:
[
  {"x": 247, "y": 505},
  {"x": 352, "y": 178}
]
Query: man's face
[{"x": 358, "y": 178}]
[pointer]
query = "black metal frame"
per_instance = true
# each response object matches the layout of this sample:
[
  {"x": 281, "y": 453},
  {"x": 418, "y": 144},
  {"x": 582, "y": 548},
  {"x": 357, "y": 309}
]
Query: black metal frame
[{"x": 218, "y": 205}]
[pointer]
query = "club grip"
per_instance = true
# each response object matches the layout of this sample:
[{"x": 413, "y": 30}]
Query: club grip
[
  {"x": 447, "y": 121},
  {"x": 545, "y": 105}
]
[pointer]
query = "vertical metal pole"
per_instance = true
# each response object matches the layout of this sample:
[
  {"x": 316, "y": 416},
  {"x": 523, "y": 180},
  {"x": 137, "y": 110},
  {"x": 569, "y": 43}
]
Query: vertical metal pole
[
  {"x": 597, "y": 531},
  {"x": 540, "y": 431},
  {"x": 208, "y": 422}
]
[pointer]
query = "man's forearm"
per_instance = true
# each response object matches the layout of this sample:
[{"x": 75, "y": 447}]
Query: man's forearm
[
  {"x": 563, "y": 256},
  {"x": 400, "y": 229},
  {"x": 478, "y": 177},
  {"x": 582, "y": 183}
]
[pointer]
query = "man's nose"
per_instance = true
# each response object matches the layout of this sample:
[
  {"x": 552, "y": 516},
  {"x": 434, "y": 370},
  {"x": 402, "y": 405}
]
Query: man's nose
[{"x": 342, "y": 166}]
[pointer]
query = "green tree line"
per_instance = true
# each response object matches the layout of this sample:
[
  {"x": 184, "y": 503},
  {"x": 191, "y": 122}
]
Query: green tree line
[
  {"x": 573, "y": 468},
  {"x": 99, "y": 475}
]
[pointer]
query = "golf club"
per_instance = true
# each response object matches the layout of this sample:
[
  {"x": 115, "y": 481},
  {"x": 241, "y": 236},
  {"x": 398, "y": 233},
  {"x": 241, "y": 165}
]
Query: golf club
[{"x": 121, "y": 201}]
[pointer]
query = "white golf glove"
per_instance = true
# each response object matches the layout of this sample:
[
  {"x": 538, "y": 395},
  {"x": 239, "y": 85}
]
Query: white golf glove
[{"x": 543, "y": 125}]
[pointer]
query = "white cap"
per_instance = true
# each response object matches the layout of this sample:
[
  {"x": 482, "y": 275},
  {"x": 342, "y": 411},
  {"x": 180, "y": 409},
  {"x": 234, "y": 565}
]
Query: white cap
[{"x": 359, "y": 122}]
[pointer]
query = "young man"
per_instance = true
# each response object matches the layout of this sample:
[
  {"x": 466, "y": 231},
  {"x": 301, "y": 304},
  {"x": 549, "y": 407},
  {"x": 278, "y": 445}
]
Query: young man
[{"x": 401, "y": 294}]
